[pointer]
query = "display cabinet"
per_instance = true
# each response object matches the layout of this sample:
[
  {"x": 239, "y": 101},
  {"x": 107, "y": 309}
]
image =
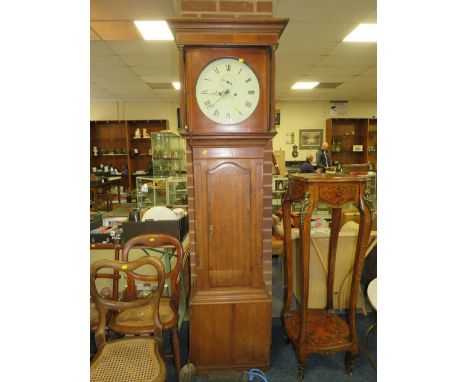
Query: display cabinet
[
  {"x": 279, "y": 187},
  {"x": 109, "y": 149},
  {"x": 176, "y": 192},
  {"x": 123, "y": 148},
  {"x": 168, "y": 154},
  {"x": 352, "y": 140},
  {"x": 151, "y": 191},
  {"x": 140, "y": 153}
]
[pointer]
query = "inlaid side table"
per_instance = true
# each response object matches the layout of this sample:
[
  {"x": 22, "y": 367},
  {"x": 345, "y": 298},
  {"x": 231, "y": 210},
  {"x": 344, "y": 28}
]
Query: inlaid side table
[{"x": 322, "y": 330}]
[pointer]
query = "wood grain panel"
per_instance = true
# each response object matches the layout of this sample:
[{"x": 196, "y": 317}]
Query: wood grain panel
[
  {"x": 229, "y": 241},
  {"x": 249, "y": 345},
  {"x": 217, "y": 351}
]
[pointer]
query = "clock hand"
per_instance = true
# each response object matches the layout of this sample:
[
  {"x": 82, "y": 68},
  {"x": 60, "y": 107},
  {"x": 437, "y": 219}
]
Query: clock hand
[
  {"x": 222, "y": 96},
  {"x": 227, "y": 82}
]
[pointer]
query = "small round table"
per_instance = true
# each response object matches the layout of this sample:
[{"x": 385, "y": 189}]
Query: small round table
[{"x": 372, "y": 297}]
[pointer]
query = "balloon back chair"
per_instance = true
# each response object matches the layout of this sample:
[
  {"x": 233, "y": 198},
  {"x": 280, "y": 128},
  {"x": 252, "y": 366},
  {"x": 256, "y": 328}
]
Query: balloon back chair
[
  {"x": 139, "y": 320},
  {"x": 128, "y": 359}
]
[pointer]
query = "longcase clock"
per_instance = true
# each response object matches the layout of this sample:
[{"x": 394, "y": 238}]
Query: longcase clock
[{"x": 227, "y": 107}]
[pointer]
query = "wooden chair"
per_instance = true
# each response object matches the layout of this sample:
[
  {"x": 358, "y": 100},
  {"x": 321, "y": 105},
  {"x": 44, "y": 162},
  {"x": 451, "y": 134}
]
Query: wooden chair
[
  {"x": 94, "y": 314},
  {"x": 140, "y": 320},
  {"x": 128, "y": 359}
]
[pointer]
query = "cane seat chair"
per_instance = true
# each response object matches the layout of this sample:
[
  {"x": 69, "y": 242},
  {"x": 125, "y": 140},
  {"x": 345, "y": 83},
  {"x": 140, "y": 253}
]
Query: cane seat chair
[
  {"x": 135, "y": 359},
  {"x": 138, "y": 321}
]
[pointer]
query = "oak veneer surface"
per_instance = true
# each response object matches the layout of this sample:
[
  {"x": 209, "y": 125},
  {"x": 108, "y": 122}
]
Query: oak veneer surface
[{"x": 230, "y": 308}]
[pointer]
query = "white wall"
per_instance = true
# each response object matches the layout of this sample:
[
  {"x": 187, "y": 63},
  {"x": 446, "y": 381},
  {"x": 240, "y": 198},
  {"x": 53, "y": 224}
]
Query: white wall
[
  {"x": 312, "y": 115},
  {"x": 294, "y": 116},
  {"x": 125, "y": 110}
]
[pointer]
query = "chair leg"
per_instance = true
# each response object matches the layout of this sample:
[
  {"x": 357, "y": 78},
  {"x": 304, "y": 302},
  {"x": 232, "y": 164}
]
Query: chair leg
[{"x": 176, "y": 349}]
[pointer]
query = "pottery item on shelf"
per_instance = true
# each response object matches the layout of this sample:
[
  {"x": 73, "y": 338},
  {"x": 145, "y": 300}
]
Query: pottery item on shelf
[
  {"x": 145, "y": 133},
  {"x": 137, "y": 133}
]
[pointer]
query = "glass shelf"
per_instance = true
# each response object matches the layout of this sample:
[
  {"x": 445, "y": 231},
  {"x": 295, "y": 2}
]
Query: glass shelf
[{"x": 168, "y": 152}]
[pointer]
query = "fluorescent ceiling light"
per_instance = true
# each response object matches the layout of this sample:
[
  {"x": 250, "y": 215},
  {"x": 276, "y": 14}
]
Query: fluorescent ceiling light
[
  {"x": 363, "y": 33},
  {"x": 304, "y": 85},
  {"x": 154, "y": 30},
  {"x": 176, "y": 85}
]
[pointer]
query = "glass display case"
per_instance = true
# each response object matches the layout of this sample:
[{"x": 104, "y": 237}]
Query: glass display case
[
  {"x": 176, "y": 192},
  {"x": 168, "y": 154},
  {"x": 371, "y": 190},
  {"x": 150, "y": 191},
  {"x": 279, "y": 187}
]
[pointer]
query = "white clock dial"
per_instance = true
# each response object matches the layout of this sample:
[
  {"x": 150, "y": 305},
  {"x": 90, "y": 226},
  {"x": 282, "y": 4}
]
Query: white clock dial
[{"x": 227, "y": 91}]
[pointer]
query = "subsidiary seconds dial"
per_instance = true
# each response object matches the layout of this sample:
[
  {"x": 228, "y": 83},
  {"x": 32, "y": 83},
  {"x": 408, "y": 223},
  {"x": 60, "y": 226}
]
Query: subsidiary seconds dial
[{"x": 227, "y": 91}]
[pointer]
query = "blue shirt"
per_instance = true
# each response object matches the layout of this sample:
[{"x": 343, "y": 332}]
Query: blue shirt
[{"x": 306, "y": 167}]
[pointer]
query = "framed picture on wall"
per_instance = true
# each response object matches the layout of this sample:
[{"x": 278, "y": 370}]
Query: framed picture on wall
[{"x": 310, "y": 139}]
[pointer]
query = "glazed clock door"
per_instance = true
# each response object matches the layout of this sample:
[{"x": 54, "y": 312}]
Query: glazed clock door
[
  {"x": 229, "y": 245},
  {"x": 227, "y": 90}
]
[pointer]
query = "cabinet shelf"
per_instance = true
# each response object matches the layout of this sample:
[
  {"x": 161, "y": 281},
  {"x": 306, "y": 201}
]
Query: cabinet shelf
[
  {"x": 347, "y": 136},
  {"x": 111, "y": 135},
  {"x": 365, "y": 134},
  {"x": 108, "y": 139},
  {"x": 109, "y": 155}
]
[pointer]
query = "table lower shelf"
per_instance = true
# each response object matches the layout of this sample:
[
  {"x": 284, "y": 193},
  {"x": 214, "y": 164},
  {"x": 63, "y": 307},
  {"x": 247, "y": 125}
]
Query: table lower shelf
[{"x": 325, "y": 332}]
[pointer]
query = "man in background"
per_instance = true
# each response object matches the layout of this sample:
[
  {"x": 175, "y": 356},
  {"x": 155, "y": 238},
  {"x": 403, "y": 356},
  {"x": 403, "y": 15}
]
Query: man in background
[
  {"x": 322, "y": 157},
  {"x": 307, "y": 165}
]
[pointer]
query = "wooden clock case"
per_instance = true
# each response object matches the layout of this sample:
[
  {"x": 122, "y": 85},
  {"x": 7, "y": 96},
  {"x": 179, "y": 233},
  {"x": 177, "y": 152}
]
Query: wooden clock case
[{"x": 229, "y": 185}]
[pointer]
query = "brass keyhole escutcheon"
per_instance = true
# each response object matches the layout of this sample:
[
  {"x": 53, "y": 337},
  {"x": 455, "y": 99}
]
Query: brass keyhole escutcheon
[{"x": 211, "y": 230}]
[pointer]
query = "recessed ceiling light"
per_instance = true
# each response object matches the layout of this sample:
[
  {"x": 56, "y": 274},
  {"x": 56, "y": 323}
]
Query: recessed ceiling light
[
  {"x": 176, "y": 85},
  {"x": 154, "y": 30},
  {"x": 363, "y": 33},
  {"x": 304, "y": 85}
]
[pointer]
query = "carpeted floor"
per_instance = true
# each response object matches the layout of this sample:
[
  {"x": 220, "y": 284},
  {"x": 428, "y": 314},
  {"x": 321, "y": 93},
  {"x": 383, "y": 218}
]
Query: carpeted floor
[{"x": 283, "y": 363}]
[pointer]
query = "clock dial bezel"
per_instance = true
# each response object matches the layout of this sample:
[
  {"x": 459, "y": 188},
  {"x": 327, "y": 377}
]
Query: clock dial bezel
[
  {"x": 220, "y": 104},
  {"x": 256, "y": 58}
]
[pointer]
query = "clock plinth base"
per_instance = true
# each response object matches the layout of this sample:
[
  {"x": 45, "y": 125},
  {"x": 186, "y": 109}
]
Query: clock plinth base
[{"x": 230, "y": 329}]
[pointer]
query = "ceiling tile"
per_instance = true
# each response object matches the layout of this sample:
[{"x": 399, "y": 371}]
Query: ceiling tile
[
  {"x": 355, "y": 49},
  {"x": 318, "y": 32},
  {"x": 119, "y": 86},
  {"x": 111, "y": 70},
  {"x": 101, "y": 48},
  {"x": 370, "y": 72},
  {"x": 342, "y": 61},
  {"x": 116, "y": 30},
  {"x": 122, "y": 78},
  {"x": 164, "y": 68},
  {"x": 302, "y": 48},
  {"x": 132, "y": 10},
  {"x": 142, "y": 48},
  {"x": 159, "y": 79},
  {"x": 154, "y": 61},
  {"x": 103, "y": 61},
  {"x": 93, "y": 35},
  {"x": 339, "y": 71}
]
